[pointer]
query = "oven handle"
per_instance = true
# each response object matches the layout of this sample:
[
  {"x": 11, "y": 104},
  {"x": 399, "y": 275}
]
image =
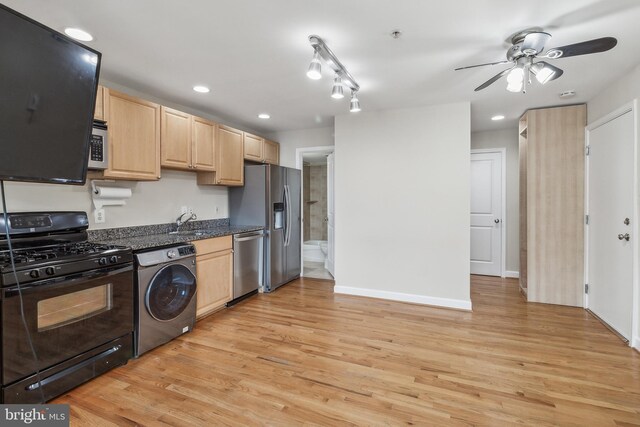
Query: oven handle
[
  {"x": 87, "y": 275},
  {"x": 73, "y": 368}
]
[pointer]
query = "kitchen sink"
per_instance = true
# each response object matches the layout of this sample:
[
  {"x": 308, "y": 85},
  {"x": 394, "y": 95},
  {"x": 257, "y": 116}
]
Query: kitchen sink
[{"x": 189, "y": 233}]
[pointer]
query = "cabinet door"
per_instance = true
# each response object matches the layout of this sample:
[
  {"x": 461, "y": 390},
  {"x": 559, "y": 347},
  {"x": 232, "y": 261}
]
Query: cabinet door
[
  {"x": 271, "y": 152},
  {"x": 98, "y": 112},
  {"x": 203, "y": 153},
  {"x": 253, "y": 147},
  {"x": 229, "y": 156},
  {"x": 214, "y": 281},
  {"x": 175, "y": 139},
  {"x": 134, "y": 138}
]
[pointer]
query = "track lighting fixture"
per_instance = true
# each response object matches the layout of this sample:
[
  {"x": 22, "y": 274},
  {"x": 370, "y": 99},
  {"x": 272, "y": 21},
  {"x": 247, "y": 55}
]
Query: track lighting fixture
[
  {"x": 315, "y": 69},
  {"x": 342, "y": 76},
  {"x": 336, "y": 92},
  {"x": 354, "y": 105}
]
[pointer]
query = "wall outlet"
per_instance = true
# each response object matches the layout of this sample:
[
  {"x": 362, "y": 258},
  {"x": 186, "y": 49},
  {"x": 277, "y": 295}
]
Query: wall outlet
[{"x": 99, "y": 216}]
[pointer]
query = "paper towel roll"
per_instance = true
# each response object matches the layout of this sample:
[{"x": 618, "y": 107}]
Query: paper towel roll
[{"x": 112, "y": 193}]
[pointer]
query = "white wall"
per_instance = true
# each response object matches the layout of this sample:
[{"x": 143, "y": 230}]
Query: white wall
[
  {"x": 621, "y": 92},
  {"x": 291, "y": 139},
  {"x": 506, "y": 138},
  {"x": 152, "y": 202},
  {"x": 402, "y": 204}
]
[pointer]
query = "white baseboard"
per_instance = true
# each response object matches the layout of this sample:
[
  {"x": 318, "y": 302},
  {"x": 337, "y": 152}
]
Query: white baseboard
[
  {"x": 412, "y": 298},
  {"x": 635, "y": 343},
  {"x": 512, "y": 274}
]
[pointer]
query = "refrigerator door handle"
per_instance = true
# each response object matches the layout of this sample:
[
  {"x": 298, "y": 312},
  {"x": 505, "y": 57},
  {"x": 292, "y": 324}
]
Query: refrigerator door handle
[{"x": 287, "y": 232}]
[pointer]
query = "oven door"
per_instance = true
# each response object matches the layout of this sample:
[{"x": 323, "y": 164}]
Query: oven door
[{"x": 65, "y": 317}]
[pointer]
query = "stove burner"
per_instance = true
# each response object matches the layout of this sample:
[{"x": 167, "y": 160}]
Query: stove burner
[{"x": 33, "y": 255}]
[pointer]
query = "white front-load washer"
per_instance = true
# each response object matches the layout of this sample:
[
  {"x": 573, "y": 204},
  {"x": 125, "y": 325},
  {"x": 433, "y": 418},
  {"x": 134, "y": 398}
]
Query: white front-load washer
[{"x": 166, "y": 295}]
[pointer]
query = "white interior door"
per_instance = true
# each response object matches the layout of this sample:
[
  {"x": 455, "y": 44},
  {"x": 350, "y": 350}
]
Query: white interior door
[
  {"x": 486, "y": 213},
  {"x": 330, "y": 216},
  {"x": 610, "y": 210}
]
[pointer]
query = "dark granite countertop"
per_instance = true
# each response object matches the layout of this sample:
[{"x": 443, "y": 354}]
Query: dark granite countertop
[{"x": 156, "y": 236}]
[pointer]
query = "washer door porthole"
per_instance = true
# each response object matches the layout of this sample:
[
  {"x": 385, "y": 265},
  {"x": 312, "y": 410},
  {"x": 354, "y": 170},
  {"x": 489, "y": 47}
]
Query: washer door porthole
[{"x": 170, "y": 292}]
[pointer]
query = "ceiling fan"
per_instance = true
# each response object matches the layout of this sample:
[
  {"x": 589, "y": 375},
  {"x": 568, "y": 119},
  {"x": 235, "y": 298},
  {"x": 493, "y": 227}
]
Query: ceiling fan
[{"x": 526, "y": 53}]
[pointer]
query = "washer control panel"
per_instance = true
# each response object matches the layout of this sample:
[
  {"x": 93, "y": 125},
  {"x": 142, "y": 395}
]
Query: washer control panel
[{"x": 160, "y": 256}]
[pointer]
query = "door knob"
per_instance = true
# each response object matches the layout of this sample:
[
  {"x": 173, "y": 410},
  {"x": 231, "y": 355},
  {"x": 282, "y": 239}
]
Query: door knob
[
  {"x": 496, "y": 220},
  {"x": 623, "y": 236}
]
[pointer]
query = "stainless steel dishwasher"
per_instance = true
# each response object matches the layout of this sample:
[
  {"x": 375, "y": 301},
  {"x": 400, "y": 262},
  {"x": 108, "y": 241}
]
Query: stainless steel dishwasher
[{"x": 247, "y": 264}]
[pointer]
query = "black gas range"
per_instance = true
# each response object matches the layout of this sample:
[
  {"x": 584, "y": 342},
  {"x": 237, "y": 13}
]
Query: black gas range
[{"x": 78, "y": 303}]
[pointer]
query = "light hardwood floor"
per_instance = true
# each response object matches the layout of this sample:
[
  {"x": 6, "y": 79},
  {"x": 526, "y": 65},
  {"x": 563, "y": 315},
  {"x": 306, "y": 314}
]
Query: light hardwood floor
[{"x": 305, "y": 355}]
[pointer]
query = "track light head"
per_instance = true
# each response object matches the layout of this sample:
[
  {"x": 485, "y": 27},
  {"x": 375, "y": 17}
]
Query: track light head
[
  {"x": 315, "y": 69},
  {"x": 336, "y": 92},
  {"x": 354, "y": 105}
]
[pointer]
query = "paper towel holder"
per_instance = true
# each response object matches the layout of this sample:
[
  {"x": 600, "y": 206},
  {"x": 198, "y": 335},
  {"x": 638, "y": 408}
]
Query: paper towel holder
[{"x": 94, "y": 190}]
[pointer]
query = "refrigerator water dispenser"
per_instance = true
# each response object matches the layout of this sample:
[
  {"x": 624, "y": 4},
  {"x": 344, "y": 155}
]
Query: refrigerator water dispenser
[{"x": 278, "y": 215}]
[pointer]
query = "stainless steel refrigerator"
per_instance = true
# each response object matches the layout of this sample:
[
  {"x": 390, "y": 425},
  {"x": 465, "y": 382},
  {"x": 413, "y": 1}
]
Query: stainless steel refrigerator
[{"x": 271, "y": 198}]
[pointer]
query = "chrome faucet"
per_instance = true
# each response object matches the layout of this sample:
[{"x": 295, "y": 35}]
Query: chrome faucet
[{"x": 180, "y": 222}]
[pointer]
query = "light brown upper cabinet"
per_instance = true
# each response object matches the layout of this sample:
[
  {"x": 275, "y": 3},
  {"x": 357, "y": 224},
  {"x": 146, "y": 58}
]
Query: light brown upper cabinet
[
  {"x": 258, "y": 149},
  {"x": 253, "y": 147},
  {"x": 271, "y": 152},
  {"x": 552, "y": 162},
  {"x": 175, "y": 139},
  {"x": 98, "y": 112},
  {"x": 187, "y": 142},
  {"x": 134, "y": 137},
  {"x": 229, "y": 159},
  {"x": 203, "y": 154}
]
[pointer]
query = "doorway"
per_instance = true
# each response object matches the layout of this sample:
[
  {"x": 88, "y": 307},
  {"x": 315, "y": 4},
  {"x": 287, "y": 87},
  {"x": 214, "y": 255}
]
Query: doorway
[
  {"x": 611, "y": 271},
  {"x": 317, "y": 211},
  {"x": 487, "y": 205}
]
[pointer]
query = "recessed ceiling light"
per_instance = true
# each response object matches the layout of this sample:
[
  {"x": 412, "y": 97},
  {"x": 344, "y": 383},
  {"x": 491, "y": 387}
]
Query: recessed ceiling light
[
  {"x": 498, "y": 117},
  {"x": 264, "y": 116},
  {"x": 201, "y": 89},
  {"x": 78, "y": 34}
]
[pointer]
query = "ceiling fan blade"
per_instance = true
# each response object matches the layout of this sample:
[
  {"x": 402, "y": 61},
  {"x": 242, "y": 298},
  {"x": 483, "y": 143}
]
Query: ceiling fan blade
[
  {"x": 534, "y": 43},
  {"x": 592, "y": 46},
  {"x": 482, "y": 65},
  {"x": 493, "y": 79}
]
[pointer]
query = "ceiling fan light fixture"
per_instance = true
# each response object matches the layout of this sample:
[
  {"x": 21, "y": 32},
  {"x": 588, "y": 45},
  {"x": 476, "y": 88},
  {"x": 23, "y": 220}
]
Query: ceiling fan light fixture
[
  {"x": 315, "y": 69},
  {"x": 545, "y": 74},
  {"x": 516, "y": 76},
  {"x": 515, "y": 86}
]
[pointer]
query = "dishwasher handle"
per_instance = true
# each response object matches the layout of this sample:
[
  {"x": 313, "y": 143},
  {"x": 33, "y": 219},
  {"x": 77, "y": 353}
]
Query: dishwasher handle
[{"x": 247, "y": 236}]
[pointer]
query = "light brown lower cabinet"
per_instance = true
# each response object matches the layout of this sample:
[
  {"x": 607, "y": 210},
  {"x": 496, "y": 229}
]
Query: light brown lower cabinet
[{"x": 214, "y": 273}]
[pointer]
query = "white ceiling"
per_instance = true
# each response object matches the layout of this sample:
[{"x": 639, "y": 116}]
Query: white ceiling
[{"x": 253, "y": 54}]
